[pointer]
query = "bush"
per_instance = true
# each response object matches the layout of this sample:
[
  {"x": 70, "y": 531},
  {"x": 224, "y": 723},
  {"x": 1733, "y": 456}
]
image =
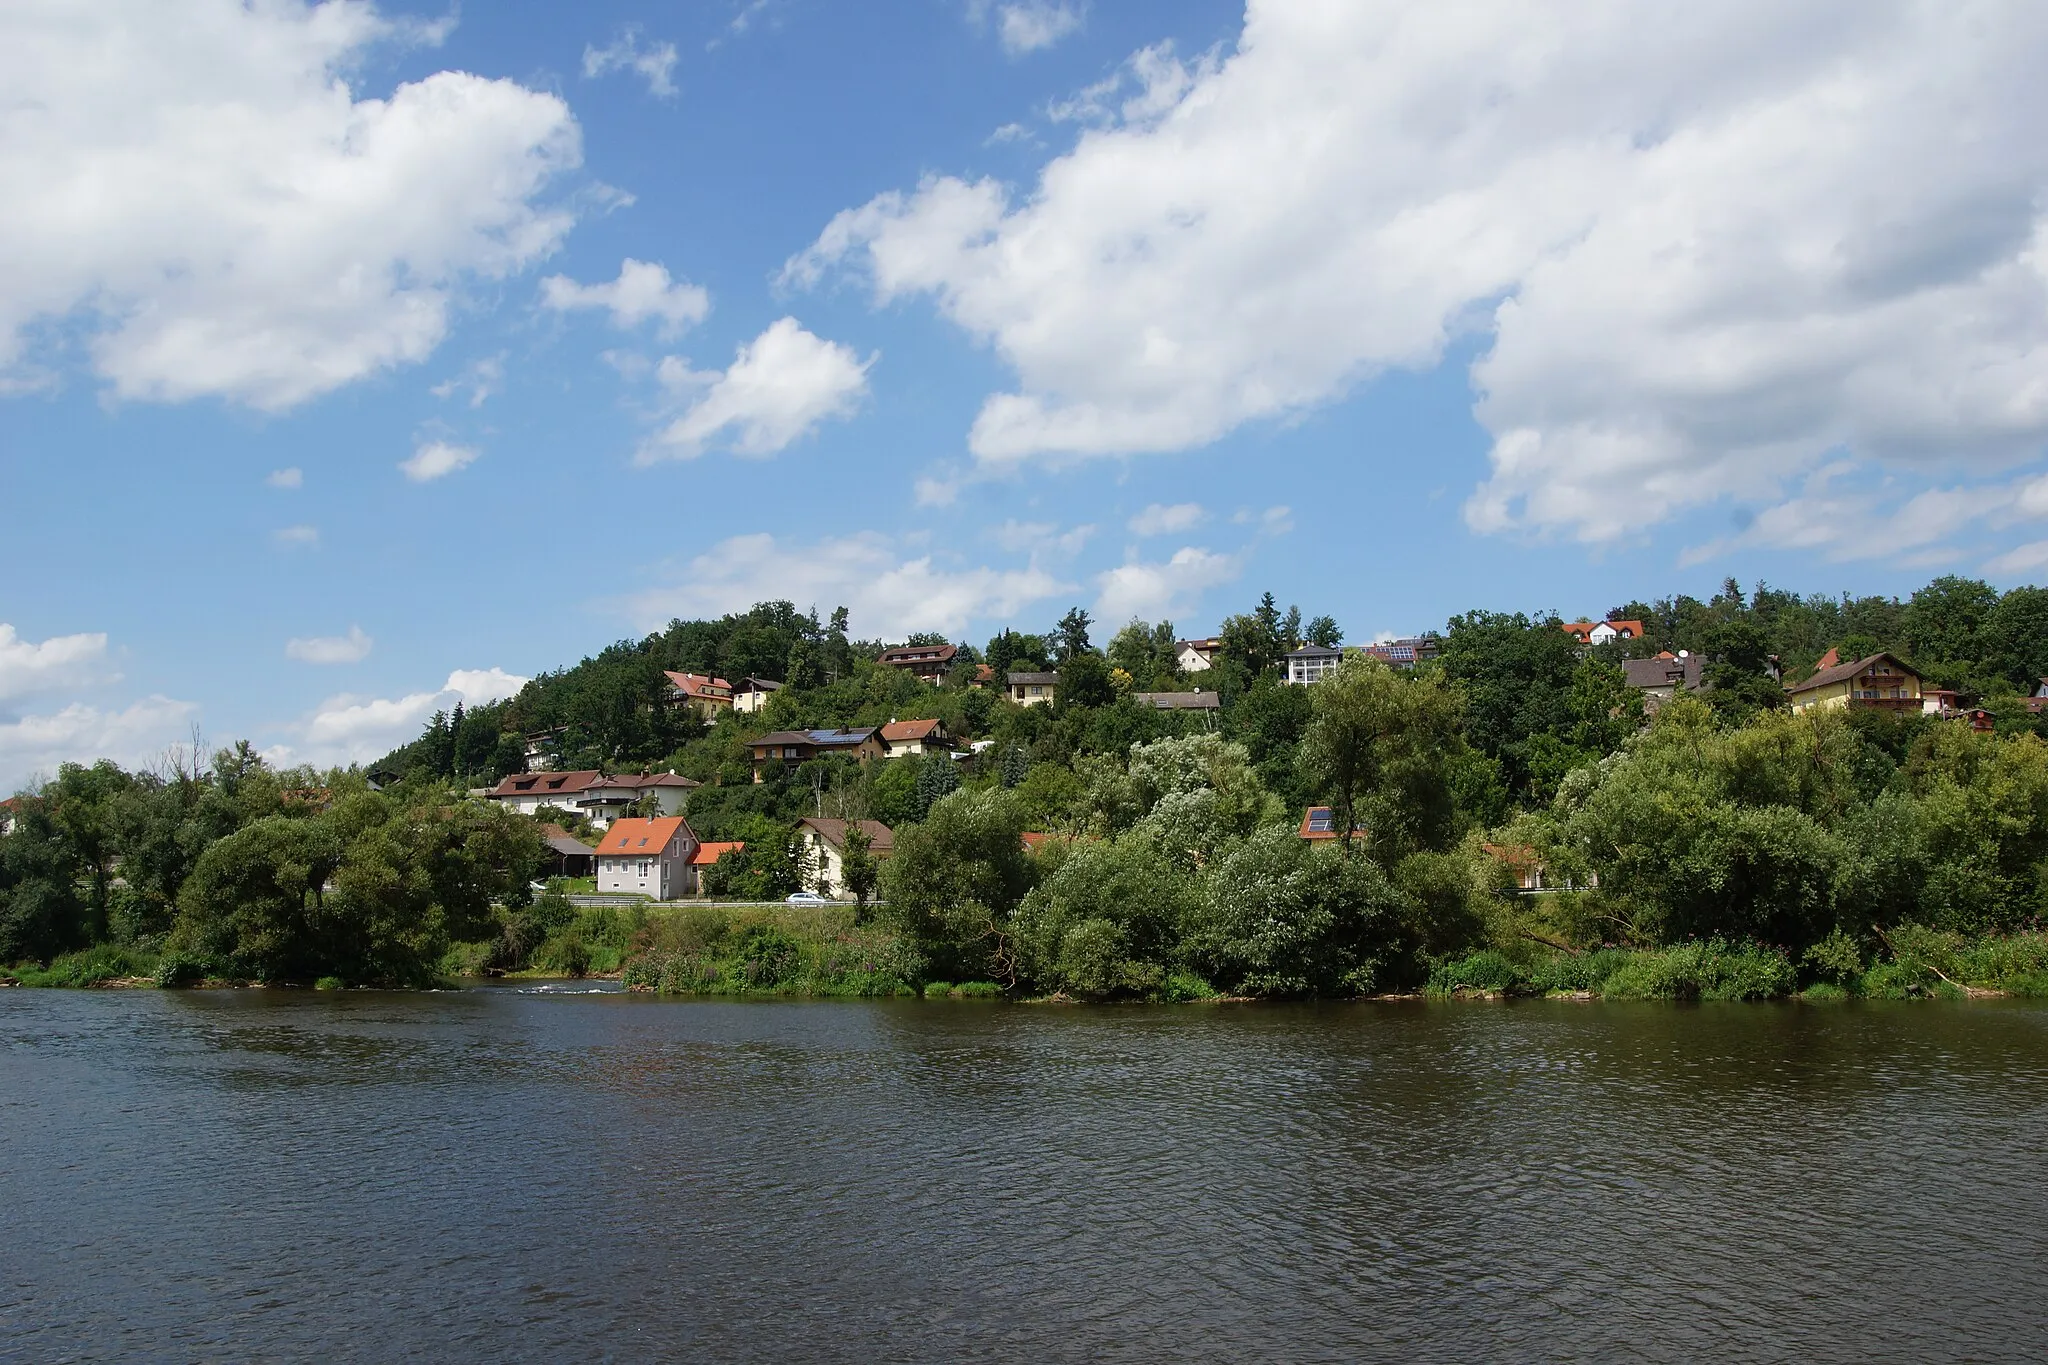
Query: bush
[
  {"x": 937, "y": 990},
  {"x": 1486, "y": 970},
  {"x": 978, "y": 990},
  {"x": 90, "y": 967},
  {"x": 1709, "y": 970}
]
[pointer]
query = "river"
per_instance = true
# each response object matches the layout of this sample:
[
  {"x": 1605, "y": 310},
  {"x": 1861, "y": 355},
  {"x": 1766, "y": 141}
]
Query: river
[{"x": 499, "y": 1174}]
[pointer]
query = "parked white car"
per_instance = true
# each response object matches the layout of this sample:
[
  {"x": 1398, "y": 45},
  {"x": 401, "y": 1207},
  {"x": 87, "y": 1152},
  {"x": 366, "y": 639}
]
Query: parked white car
[{"x": 807, "y": 898}]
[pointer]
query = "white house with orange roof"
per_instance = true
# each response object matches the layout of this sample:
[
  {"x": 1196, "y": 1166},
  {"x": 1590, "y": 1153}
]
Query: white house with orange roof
[
  {"x": 648, "y": 858},
  {"x": 707, "y": 694}
]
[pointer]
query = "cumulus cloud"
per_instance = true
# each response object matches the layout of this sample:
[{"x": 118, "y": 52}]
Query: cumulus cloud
[
  {"x": 642, "y": 291},
  {"x": 201, "y": 191},
  {"x": 1158, "y": 590},
  {"x": 886, "y": 593},
  {"x": 354, "y": 729},
  {"x": 1041, "y": 537},
  {"x": 652, "y": 63},
  {"x": 33, "y": 746},
  {"x": 351, "y": 648},
  {"x": 285, "y": 478},
  {"x": 28, "y": 666},
  {"x": 296, "y": 537},
  {"x": 1162, "y": 520},
  {"x": 480, "y": 379},
  {"x": 782, "y": 385},
  {"x": 436, "y": 460},
  {"x": 1706, "y": 248},
  {"x": 1031, "y": 25}
]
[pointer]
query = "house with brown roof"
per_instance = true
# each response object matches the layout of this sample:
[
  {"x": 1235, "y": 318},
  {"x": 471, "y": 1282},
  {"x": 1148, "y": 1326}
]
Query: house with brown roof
[
  {"x": 1196, "y": 656},
  {"x": 1664, "y": 677},
  {"x": 752, "y": 694},
  {"x": 608, "y": 798},
  {"x": 1600, "y": 632},
  {"x": 791, "y": 747},
  {"x": 708, "y": 696},
  {"x": 1033, "y": 689},
  {"x": 1880, "y": 682},
  {"x": 928, "y": 663},
  {"x": 648, "y": 858},
  {"x": 901, "y": 737},
  {"x": 1320, "y": 822},
  {"x": 1197, "y": 700},
  {"x": 528, "y": 792},
  {"x": 821, "y": 847}
]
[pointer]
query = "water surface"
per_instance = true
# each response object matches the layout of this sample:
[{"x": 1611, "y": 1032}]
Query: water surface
[{"x": 507, "y": 1175}]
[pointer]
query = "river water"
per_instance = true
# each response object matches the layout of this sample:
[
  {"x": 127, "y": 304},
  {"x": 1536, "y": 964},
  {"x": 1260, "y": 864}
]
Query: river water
[{"x": 506, "y": 1175}]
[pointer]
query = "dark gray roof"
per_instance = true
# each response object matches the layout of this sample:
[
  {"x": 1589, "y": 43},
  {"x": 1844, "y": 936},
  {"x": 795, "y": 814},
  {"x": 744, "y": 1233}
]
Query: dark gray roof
[
  {"x": 1315, "y": 652},
  {"x": 1181, "y": 701},
  {"x": 1033, "y": 679},
  {"x": 1647, "y": 673}
]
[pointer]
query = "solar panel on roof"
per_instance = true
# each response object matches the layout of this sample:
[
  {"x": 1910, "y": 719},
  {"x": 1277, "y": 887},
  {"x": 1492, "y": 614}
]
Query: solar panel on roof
[{"x": 1320, "y": 821}]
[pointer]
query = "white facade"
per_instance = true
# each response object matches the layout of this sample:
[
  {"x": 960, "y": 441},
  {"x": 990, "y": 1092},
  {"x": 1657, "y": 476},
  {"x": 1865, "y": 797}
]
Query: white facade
[
  {"x": 1305, "y": 666},
  {"x": 660, "y": 871},
  {"x": 1192, "y": 658}
]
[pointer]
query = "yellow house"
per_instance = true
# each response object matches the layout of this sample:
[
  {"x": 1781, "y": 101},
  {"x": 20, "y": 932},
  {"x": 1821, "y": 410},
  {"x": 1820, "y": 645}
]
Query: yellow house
[{"x": 1880, "y": 682}]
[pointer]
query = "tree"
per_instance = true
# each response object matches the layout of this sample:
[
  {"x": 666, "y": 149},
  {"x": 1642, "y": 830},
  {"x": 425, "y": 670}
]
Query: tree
[
  {"x": 953, "y": 882},
  {"x": 1072, "y": 640},
  {"x": 1738, "y": 675},
  {"x": 1380, "y": 746},
  {"x": 1084, "y": 682},
  {"x": 1283, "y": 917},
  {"x": 858, "y": 866},
  {"x": 937, "y": 777},
  {"x": 1016, "y": 765},
  {"x": 1324, "y": 631}
]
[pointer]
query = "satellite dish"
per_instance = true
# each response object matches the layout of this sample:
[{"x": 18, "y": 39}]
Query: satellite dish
[{"x": 1683, "y": 653}]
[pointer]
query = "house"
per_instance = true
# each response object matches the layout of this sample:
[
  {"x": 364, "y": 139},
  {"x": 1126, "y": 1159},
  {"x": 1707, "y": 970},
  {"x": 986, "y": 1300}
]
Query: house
[
  {"x": 1309, "y": 663},
  {"x": 1197, "y": 700},
  {"x": 608, "y": 798},
  {"x": 821, "y": 844},
  {"x": 792, "y": 747},
  {"x": 1939, "y": 701},
  {"x": 647, "y": 858},
  {"x": 7, "y": 812},
  {"x": 1531, "y": 877},
  {"x": 1196, "y": 656},
  {"x": 752, "y": 694},
  {"x": 1033, "y": 689},
  {"x": 1320, "y": 822},
  {"x": 706, "y": 695},
  {"x": 1979, "y": 719},
  {"x": 1600, "y": 632},
  {"x": 542, "y": 748},
  {"x": 528, "y": 792},
  {"x": 1661, "y": 678},
  {"x": 984, "y": 675},
  {"x": 901, "y": 737},
  {"x": 2039, "y": 701},
  {"x": 1881, "y": 682},
  {"x": 930, "y": 663},
  {"x": 1404, "y": 653},
  {"x": 568, "y": 856},
  {"x": 706, "y": 856}
]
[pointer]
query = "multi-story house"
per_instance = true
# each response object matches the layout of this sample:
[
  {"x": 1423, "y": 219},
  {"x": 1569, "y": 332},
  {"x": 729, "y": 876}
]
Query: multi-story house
[
  {"x": 707, "y": 695},
  {"x": 930, "y": 663},
  {"x": 792, "y": 747},
  {"x": 1309, "y": 663},
  {"x": 1880, "y": 681},
  {"x": 648, "y": 858}
]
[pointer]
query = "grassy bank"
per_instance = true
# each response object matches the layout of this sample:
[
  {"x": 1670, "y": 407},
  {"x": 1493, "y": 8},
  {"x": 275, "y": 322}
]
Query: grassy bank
[
  {"x": 770, "y": 950},
  {"x": 1909, "y": 963}
]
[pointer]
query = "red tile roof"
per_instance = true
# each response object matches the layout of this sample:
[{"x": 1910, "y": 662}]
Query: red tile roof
[
  {"x": 708, "y": 854},
  {"x": 698, "y": 687},
  {"x": 643, "y": 838},
  {"x": 546, "y": 784},
  {"x": 901, "y": 731},
  {"x": 1583, "y": 630},
  {"x": 907, "y": 656}
]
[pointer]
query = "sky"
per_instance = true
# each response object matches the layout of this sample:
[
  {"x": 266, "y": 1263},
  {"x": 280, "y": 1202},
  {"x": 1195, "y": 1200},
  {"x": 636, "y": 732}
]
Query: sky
[{"x": 358, "y": 360}]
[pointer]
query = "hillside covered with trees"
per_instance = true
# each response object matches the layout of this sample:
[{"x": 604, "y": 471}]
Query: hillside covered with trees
[{"x": 1729, "y": 847}]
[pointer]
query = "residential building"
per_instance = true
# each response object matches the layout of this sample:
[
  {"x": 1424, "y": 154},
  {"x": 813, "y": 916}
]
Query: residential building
[
  {"x": 1033, "y": 689},
  {"x": 984, "y": 676},
  {"x": 7, "y": 814},
  {"x": 2039, "y": 701},
  {"x": 1663, "y": 677},
  {"x": 1309, "y": 663},
  {"x": 752, "y": 694},
  {"x": 1197, "y": 700},
  {"x": 608, "y": 798},
  {"x": 568, "y": 856},
  {"x": 647, "y": 858},
  {"x": 1404, "y": 653},
  {"x": 821, "y": 846},
  {"x": 543, "y": 749},
  {"x": 528, "y": 792},
  {"x": 792, "y": 747},
  {"x": 1979, "y": 719},
  {"x": 1600, "y": 632},
  {"x": 708, "y": 854},
  {"x": 1320, "y": 822},
  {"x": 901, "y": 737},
  {"x": 1880, "y": 681},
  {"x": 1196, "y": 656},
  {"x": 930, "y": 663},
  {"x": 707, "y": 695},
  {"x": 1532, "y": 878}
]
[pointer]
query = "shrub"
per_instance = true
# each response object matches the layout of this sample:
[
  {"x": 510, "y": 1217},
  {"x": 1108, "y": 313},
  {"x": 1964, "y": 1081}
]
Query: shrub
[
  {"x": 1486, "y": 970},
  {"x": 978, "y": 990},
  {"x": 1709, "y": 970},
  {"x": 937, "y": 990}
]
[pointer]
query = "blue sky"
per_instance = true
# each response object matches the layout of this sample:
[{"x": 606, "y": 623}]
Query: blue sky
[{"x": 360, "y": 359}]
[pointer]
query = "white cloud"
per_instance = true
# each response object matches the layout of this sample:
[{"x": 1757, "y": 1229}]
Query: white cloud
[
  {"x": 1152, "y": 591},
  {"x": 936, "y": 492},
  {"x": 285, "y": 478},
  {"x": 27, "y": 667},
  {"x": 2021, "y": 559},
  {"x": 781, "y": 386},
  {"x": 642, "y": 291},
  {"x": 885, "y": 593},
  {"x": 356, "y": 729},
  {"x": 1041, "y": 537},
  {"x": 436, "y": 460},
  {"x": 33, "y": 746},
  {"x": 1162, "y": 520},
  {"x": 296, "y": 537},
  {"x": 1031, "y": 25},
  {"x": 1712, "y": 247},
  {"x": 480, "y": 378},
  {"x": 199, "y": 187},
  {"x": 351, "y": 648},
  {"x": 652, "y": 63}
]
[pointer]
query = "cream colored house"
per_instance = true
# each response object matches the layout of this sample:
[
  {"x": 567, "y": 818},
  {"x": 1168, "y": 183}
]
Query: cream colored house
[
  {"x": 821, "y": 848},
  {"x": 752, "y": 694},
  {"x": 1880, "y": 682},
  {"x": 1033, "y": 689}
]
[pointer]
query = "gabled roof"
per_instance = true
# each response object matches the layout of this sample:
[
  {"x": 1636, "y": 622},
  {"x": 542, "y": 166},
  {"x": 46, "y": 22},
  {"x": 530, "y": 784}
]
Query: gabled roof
[
  {"x": 1207, "y": 646},
  {"x": 1315, "y": 652},
  {"x": 904, "y": 655},
  {"x": 699, "y": 686},
  {"x": 903, "y": 731},
  {"x": 545, "y": 784},
  {"x": 1844, "y": 672},
  {"x": 564, "y": 843},
  {"x": 1033, "y": 679},
  {"x": 1666, "y": 670},
  {"x": 1320, "y": 822},
  {"x": 818, "y": 739},
  {"x": 1582, "y": 631},
  {"x": 881, "y": 839},
  {"x": 758, "y": 685},
  {"x": 641, "y": 838},
  {"x": 642, "y": 782},
  {"x": 1181, "y": 701},
  {"x": 708, "y": 854}
]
